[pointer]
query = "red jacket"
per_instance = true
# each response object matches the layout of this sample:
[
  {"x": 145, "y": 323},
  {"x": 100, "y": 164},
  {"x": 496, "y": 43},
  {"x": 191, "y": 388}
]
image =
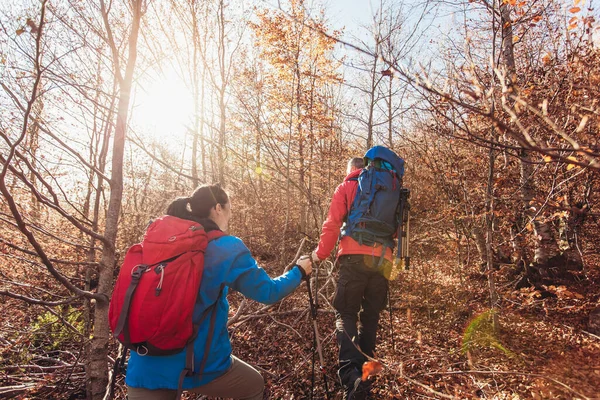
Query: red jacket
[{"x": 340, "y": 206}]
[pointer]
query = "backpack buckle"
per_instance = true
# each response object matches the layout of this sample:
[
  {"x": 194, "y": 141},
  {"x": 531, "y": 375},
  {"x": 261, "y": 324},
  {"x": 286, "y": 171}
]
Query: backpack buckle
[{"x": 137, "y": 271}]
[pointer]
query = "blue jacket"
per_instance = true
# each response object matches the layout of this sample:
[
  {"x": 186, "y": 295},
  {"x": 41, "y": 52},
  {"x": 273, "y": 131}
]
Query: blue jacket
[{"x": 227, "y": 261}]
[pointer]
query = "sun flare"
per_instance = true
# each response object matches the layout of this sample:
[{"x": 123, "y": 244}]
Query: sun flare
[{"x": 163, "y": 108}]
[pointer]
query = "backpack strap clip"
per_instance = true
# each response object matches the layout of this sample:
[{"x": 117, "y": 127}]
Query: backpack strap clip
[{"x": 137, "y": 272}]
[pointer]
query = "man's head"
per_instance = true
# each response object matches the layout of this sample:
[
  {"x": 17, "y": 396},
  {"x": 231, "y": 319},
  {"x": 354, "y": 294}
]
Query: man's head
[{"x": 354, "y": 164}]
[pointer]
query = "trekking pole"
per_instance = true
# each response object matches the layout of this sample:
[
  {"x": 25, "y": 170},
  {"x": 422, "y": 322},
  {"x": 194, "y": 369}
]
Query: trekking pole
[
  {"x": 117, "y": 368},
  {"x": 316, "y": 342},
  {"x": 391, "y": 320},
  {"x": 317, "y": 285},
  {"x": 314, "y": 345}
]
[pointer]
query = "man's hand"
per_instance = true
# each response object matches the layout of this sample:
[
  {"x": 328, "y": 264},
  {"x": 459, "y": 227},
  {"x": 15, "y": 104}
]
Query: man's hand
[{"x": 314, "y": 257}]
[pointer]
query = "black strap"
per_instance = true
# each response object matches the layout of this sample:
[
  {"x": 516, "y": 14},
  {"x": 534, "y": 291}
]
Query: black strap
[
  {"x": 189, "y": 347},
  {"x": 122, "y": 325},
  {"x": 117, "y": 368}
]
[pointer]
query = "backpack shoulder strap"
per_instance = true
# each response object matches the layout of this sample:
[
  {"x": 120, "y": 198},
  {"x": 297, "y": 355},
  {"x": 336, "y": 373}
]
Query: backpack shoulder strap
[
  {"x": 215, "y": 234},
  {"x": 189, "y": 348}
]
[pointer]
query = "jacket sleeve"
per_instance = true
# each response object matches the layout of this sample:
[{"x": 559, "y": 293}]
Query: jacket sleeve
[
  {"x": 253, "y": 282},
  {"x": 335, "y": 218}
]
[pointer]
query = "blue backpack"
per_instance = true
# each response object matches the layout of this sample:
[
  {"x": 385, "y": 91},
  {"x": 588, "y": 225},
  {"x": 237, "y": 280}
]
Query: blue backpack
[{"x": 374, "y": 216}]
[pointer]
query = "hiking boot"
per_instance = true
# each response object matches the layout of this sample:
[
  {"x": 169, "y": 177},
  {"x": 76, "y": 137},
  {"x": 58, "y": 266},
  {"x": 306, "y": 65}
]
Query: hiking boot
[{"x": 358, "y": 391}]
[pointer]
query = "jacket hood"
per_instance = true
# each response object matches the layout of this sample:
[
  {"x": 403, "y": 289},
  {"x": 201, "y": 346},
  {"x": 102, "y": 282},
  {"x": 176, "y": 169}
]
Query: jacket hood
[
  {"x": 353, "y": 175},
  {"x": 169, "y": 236}
]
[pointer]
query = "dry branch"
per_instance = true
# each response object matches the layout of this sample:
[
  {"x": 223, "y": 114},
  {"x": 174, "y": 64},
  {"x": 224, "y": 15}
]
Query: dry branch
[{"x": 512, "y": 373}]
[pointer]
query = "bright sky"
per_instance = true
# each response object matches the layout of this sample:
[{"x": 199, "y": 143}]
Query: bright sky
[
  {"x": 351, "y": 14},
  {"x": 163, "y": 105}
]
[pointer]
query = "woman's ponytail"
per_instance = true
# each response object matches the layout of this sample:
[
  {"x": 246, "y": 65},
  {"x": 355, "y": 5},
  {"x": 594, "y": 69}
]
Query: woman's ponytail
[
  {"x": 199, "y": 205},
  {"x": 179, "y": 208}
]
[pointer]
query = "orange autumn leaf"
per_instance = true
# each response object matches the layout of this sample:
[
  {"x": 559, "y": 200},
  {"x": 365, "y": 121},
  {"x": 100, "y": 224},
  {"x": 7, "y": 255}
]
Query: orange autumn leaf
[
  {"x": 371, "y": 368},
  {"x": 547, "y": 58},
  {"x": 574, "y": 10}
]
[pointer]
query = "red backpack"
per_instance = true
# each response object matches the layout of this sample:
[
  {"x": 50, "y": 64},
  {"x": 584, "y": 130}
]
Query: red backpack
[{"x": 154, "y": 297}]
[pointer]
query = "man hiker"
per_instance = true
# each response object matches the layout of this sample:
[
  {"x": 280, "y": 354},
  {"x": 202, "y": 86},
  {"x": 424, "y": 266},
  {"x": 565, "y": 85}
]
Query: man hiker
[{"x": 365, "y": 220}]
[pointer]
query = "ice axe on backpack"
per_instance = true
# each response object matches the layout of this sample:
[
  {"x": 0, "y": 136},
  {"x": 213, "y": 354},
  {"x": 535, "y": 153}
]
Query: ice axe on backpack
[{"x": 402, "y": 261}]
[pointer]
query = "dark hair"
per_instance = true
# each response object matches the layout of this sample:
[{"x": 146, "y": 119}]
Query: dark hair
[{"x": 204, "y": 199}]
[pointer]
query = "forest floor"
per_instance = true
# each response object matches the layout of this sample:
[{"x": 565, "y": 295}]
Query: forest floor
[{"x": 440, "y": 344}]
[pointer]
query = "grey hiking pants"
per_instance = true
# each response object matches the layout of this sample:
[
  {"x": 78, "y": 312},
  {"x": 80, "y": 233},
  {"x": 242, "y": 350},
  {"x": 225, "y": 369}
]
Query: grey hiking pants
[{"x": 242, "y": 382}]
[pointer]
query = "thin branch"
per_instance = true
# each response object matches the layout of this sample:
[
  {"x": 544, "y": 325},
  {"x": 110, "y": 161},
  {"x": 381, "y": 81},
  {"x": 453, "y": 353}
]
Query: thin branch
[
  {"x": 54, "y": 260},
  {"x": 36, "y": 301},
  {"x": 52, "y": 135},
  {"x": 429, "y": 389},
  {"x": 52, "y": 204},
  {"x": 511, "y": 373}
]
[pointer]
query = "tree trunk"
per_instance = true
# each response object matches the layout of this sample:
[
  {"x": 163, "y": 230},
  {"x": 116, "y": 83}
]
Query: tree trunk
[
  {"x": 390, "y": 136},
  {"x": 546, "y": 246},
  {"x": 374, "y": 82},
  {"x": 300, "y": 135},
  {"x": 98, "y": 151},
  {"x": 489, "y": 232},
  {"x": 196, "y": 86},
  {"x": 98, "y": 361},
  {"x": 32, "y": 142},
  {"x": 221, "y": 146},
  {"x": 508, "y": 53}
]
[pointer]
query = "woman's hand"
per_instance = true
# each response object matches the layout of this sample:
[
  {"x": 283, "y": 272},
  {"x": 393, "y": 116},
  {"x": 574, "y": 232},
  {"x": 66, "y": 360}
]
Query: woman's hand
[{"x": 305, "y": 263}]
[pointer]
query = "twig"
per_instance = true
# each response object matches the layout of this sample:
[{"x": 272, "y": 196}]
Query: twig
[
  {"x": 592, "y": 335},
  {"x": 269, "y": 314},
  {"x": 290, "y": 265},
  {"x": 238, "y": 313},
  {"x": 41, "y": 368},
  {"x": 36, "y": 301},
  {"x": 13, "y": 390},
  {"x": 55, "y": 260},
  {"x": 512, "y": 373},
  {"x": 429, "y": 389},
  {"x": 272, "y": 375}
]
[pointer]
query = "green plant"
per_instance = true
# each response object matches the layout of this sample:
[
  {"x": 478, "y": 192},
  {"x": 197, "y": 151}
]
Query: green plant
[
  {"x": 51, "y": 330},
  {"x": 479, "y": 333}
]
